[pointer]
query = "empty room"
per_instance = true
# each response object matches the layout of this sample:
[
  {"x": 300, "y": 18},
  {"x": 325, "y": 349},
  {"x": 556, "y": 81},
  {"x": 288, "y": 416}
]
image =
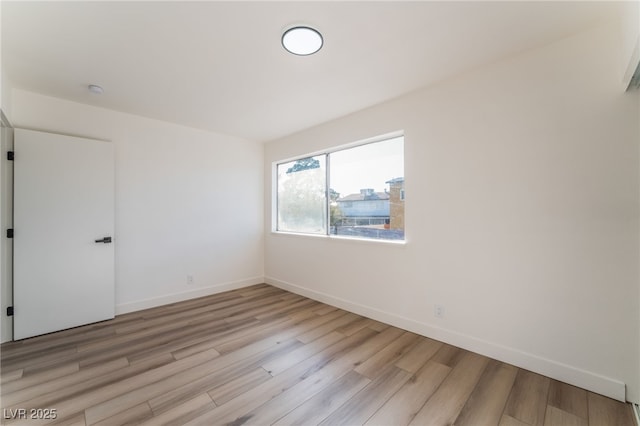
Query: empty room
[{"x": 304, "y": 213}]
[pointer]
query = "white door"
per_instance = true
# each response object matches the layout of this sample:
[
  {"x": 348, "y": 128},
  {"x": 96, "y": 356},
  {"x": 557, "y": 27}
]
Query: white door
[{"x": 63, "y": 210}]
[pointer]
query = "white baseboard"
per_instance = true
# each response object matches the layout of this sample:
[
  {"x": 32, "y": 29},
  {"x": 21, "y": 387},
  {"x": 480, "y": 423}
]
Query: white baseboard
[
  {"x": 585, "y": 379},
  {"x": 139, "y": 305}
]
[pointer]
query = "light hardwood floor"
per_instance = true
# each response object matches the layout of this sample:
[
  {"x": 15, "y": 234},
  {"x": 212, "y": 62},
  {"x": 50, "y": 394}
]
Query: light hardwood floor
[{"x": 261, "y": 356}]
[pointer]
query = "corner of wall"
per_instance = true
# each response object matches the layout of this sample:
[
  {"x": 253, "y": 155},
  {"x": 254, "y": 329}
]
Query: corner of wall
[
  {"x": 6, "y": 93},
  {"x": 630, "y": 40}
]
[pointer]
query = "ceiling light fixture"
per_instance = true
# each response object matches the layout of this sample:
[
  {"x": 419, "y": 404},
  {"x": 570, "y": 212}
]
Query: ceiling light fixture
[
  {"x": 94, "y": 88},
  {"x": 302, "y": 40}
]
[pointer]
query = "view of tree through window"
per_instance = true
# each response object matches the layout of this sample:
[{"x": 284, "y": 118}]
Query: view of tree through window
[
  {"x": 363, "y": 198},
  {"x": 302, "y": 195}
]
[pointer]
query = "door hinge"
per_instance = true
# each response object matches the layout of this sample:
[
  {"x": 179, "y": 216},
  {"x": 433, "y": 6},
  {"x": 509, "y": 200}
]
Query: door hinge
[
  {"x": 10, "y": 155},
  {"x": 9, "y": 311},
  {"x": 10, "y": 233}
]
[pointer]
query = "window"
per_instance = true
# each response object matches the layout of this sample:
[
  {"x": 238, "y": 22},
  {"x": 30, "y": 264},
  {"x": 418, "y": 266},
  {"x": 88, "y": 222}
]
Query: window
[
  {"x": 353, "y": 192},
  {"x": 302, "y": 195}
]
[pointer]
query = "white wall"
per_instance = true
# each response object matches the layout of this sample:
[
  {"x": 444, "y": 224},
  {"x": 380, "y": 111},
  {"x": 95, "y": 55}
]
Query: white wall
[
  {"x": 522, "y": 216},
  {"x": 6, "y": 191},
  {"x": 188, "y": 202},
  {"x": 5, "y": 94},
  {"x": 5, "y": 88},
  {"x": 630, "y": 41}
]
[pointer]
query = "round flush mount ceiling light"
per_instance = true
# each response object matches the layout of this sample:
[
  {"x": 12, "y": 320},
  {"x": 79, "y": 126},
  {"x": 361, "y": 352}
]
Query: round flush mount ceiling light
[
  {"x": 94, "y": 88},
  {"x": 302, "y": 40}
]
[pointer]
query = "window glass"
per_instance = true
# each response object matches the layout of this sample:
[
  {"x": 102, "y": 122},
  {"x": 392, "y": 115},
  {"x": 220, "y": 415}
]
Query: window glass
[
  {"x": 367, "y": 190},
  {"x": 302, "y": 195}
]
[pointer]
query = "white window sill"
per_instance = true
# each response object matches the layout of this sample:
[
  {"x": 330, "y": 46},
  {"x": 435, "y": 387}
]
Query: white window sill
[{"x": 398, "y": 243}]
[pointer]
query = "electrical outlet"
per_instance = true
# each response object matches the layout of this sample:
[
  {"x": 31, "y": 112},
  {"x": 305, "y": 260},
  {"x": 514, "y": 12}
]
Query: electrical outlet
[
  {"x": 438, "y": 311},
  {"x": 190, "y": 280}
]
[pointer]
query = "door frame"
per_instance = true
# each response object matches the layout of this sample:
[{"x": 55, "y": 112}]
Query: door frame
[{"x": 6, "y": 222}]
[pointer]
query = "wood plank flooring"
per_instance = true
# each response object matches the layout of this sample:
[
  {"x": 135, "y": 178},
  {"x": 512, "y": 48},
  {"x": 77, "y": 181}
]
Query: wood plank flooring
[{"x": 262, "y": 356}]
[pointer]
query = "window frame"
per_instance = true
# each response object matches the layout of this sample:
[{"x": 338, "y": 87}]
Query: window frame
[{"x": 327, "y": 153}]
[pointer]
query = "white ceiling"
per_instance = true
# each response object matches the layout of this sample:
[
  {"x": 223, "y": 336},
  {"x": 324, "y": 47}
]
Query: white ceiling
[{"x": 220, "y": 65}]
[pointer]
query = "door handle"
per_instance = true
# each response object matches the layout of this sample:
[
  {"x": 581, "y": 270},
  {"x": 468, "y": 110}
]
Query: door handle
[{"x": 105, "y": 240}]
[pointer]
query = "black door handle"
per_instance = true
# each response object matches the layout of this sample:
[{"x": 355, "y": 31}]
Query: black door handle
[{"x": 105, "y": 240}]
